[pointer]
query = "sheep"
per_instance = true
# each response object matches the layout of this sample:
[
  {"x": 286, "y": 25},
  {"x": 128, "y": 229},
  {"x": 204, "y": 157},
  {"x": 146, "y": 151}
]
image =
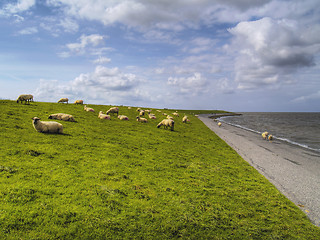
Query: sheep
[
  {"x": 113, "y": 110},
  {"x": 270, "y": 137},
  {"x": 46, "y": 127},
  {"x": 185, "y": 119},
  {"x": 169, "y": 117},
  {"x": 25, "y": 97},
  {"x": 88, "y": 109},
  {"x": 166, "y": 123},
  {"x": 123, "y": 117},
  {"x": 129, "y": 108},
  {"x": 141, "y": 113},
  {"x": 152, "y": 116},
  {"x": 62, "y": 116},
  {"x": 219, "y": 124},
  {"x": 265, "y": 135},
  {"x": 144, "y": 120},
  {"x": 79, "y": 102},
  {"x": 176, "y": 114},
  {"x": 158, "y": 110},
  {"x": 62, "y": 100},
  {"x": 104, "y": 116}
]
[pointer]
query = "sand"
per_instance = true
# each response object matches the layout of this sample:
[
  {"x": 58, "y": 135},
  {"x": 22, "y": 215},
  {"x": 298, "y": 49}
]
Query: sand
[{"x": 293, "y": 170}]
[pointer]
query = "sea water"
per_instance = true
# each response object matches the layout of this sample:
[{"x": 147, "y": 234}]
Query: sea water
[{"x": 302, "y": 129}]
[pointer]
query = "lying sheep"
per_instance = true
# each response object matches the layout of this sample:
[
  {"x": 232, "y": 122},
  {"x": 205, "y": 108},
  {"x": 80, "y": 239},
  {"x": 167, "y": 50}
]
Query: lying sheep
[
  {"x": 123, "y": 117},
  {"x": 62, "y": 100},
  {"x": 129, "y": 107},
  {"x": 62, "y": 116},
  {"x": 152, "y": 116},
  {"x": 265, "y": 135},
  {"x": 113, "y": 110},
  {"x": 25, "y": 97},
  {"x": 88, "y": 109},
  {"x": 104, "y": 116},
  {"x": 144, "y": 120},
  {"x": 176, "y": 114},
  {"x": 79, "y": 102},
  {"x": 46, "y": 127},
  {"x": 166, "y": 123}
]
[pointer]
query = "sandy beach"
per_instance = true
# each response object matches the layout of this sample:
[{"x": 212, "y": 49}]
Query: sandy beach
[{"x": 293, "y": 170}]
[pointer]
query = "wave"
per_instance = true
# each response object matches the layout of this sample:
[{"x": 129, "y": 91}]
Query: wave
[{"x": 275, "y": 137}]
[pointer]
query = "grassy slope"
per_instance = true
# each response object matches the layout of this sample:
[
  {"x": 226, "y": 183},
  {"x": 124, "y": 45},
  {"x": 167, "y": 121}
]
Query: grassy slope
[{"x": 106, "y": 179}]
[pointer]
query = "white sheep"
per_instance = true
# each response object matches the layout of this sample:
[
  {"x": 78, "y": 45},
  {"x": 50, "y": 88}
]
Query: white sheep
[
  {"x": 169, "y": 117},
  {"x": 79, "y": 102},
  {"x": 88, "y": 109},
  {"x": 46, "y": 127},
  {"x": 129, "y": 107},
  {"x": 62, "y": 116},
  {"x": 166, "y": 123},
  {"x": 176, "y": 114},
  {"x": 104, "y": 116},
  {"x": 25, "y": 97},
  {"x": 270, "y": 137},
  {"x": 152, "y": 116},
  {"x": 62, "y": 100},
  {"x": 265, "y": 135},
  {"x": 113, "y": 110},
  {"x": 123, "y": 117},
  {"x": 185, "y": 119},
  {"x": 144, "y": 120},
  {"x": 219, "y": 124}
]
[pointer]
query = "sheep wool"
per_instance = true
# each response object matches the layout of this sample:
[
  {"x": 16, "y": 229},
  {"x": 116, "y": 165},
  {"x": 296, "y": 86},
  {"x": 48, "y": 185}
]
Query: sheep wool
[
  {"x": 62, "y": 116},
  {"x": 152, "y": 116},
  {"x": 113, "y": 110},
  {"x": 104, "y": 116},
  {"x": 219, "y": 124},
  {"x": 265, "y": 135},
  {"x": 166, "y": 123},
  {"x": 79, "y": 102},
  {"x": 176, "y": 114},
  {"x": 270, "y": 137},
  {"x": 25, "y": 97},
  {"x": 144, "y": 120},
  {"x": 185, "y": 119},
  {"x": 62, "y": 100},
  {"x": 47, "y": 127},
  {"x": 123, "y": 117},
  {"x": 88, "y": 109}
]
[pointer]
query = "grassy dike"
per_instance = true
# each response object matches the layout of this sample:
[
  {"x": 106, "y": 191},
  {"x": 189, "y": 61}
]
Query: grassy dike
[{"x": 124, "y": 179}]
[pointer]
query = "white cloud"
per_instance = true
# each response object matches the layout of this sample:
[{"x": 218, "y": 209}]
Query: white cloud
[
  {"x": 193, "y": 85},
  {"x": 20, "y": 6},
  {"x": 270, "y": 50},
  {"x": 102, "y": 60},
  {"x": 69, "y": 25},
  {"x": 311, "y": 97},
  {"x": 86, "y": 43},
  {"x": 28, "y": 31}
]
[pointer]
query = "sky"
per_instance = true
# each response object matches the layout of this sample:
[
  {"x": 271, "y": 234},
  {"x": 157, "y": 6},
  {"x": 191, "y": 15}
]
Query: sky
[{"x": 233, "y": 55}]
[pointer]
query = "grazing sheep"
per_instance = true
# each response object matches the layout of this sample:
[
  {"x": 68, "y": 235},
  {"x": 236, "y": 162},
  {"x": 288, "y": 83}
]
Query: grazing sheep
[
  {"x": 25, "y": 97},
  {"x": 185, "y": 119},
  {"x": 129, "y": 107},
  {"x": 144, "y": 120},
  {"x": 113, "y": 110},
  {"x": 166, "y": 123},
  {"x": 141, "y": 113},
  {"x": 270, "y": 137},
  {"x": 79, "y": 102},
  {"x": 62, "y": 100},
  {"x": 123, "y": 117},
  {"x": 62, "y": 116},
  {"x": 176, "y": 114},
  {"x": 104, "y": 116},
  {"x": 88, "y": 109},
  {"x": 46, "y": 127},
  {"x": 219, "y": 124},
  {"x": 152, "y": 116},
  {"x": 265, "y": 135}
]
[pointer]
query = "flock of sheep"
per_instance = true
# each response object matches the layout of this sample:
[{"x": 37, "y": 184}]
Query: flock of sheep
[{"x": 55, "y": 127}]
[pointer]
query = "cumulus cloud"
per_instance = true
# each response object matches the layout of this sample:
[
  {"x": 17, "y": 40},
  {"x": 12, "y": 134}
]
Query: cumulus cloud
[
  {"x": 193, "y": 85},
  {"x": 269, "y": 50},
  {"x": 86, "y": 42}
]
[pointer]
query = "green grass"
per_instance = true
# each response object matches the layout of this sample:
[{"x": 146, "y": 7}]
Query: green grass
[{"x": 124, "y": 179}]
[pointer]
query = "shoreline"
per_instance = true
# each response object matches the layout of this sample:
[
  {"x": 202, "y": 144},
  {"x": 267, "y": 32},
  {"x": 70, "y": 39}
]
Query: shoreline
[{"x": 294, "y": 170}]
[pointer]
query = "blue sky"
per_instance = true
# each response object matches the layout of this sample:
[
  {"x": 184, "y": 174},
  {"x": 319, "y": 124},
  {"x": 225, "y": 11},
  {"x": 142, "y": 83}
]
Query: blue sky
[{"x": 235, "y": 55}]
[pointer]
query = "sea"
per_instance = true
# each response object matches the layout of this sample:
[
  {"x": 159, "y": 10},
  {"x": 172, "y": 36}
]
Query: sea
[{"x": 298, "y": 128}]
